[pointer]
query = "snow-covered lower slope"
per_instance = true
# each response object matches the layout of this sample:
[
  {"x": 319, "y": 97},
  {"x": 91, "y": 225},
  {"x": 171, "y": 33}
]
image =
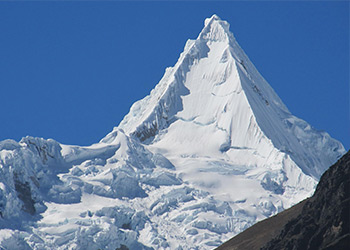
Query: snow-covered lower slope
[{"x": 211, "y": 151}]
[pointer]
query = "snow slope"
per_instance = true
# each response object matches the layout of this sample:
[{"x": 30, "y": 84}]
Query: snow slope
[{"x": 211, "y": 151}]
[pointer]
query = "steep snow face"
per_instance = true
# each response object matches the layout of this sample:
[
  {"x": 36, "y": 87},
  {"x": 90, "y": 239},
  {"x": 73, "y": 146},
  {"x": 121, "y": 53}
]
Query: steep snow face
[
  {"x": 214, "y": 101},
  {"x": 211, "y": 151}
]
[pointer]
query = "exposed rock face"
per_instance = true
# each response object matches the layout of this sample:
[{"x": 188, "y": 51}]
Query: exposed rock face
[
  {"x": 320, "y": 222},
  {"x": 25, "y": 195}
]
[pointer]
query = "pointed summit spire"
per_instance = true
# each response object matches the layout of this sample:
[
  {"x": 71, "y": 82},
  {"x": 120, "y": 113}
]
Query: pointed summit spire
[
  {"x": 215, "y": 29},
  {"x": 214, "y": 96},
  {"x": 212, "y": 18}
]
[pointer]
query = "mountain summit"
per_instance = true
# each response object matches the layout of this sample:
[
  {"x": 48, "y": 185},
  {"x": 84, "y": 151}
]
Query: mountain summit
[
  {"x": 214, "y": 96},
  {"x": 211, "y": 151}
]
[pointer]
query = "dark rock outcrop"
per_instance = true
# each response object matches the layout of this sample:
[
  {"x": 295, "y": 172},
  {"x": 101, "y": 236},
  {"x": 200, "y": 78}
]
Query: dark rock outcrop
[
  {"x": 320, "y": 222},
  {"x": 24, "y": 193}
]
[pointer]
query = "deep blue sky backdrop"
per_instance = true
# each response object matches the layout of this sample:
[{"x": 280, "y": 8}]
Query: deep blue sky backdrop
[{"x": 71, "y": 70}]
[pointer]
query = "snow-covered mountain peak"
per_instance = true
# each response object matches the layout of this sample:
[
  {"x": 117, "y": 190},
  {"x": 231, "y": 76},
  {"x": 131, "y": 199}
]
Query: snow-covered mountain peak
[
  {"x": 209, "y": 152},
  {"x": 214, "y": 101},
  {"x": 214, "y": 17},
  {"x": 166, "y": 98}
]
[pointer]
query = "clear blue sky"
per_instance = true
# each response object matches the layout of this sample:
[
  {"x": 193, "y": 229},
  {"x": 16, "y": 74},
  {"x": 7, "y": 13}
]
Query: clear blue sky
[{"x": 71, "y": 70}]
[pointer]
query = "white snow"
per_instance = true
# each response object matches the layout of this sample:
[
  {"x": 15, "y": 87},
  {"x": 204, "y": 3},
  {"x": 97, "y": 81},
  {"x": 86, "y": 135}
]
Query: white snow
[{"x": 211, "y": 151}]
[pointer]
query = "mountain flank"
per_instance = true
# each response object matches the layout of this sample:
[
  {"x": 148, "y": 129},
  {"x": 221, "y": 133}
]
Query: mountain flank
[{"x": 319, "y": 222}]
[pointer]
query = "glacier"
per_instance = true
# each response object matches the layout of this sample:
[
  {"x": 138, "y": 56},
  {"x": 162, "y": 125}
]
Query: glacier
[{"x": 208, "y": 153}]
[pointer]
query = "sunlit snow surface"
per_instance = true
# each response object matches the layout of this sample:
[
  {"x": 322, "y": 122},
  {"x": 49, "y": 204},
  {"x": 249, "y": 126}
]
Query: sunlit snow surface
[{"x": 211, "y": 151}]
